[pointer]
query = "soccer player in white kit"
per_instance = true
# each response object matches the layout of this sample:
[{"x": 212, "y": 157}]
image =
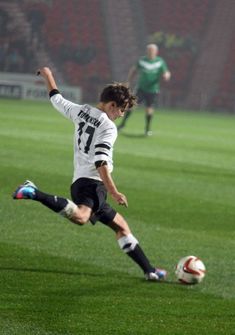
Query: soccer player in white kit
[{"x": 94, "y": 137}]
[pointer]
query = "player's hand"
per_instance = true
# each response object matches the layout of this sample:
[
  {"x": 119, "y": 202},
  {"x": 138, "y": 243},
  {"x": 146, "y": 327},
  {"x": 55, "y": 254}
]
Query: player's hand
[
  {"x": 120, "y": 199},
  {"x": 44, "y": 72},
  {"x": 167, "y": 76}
]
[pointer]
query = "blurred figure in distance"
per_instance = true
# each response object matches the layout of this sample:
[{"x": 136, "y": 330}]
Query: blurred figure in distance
[{"x": 150, "y": 70}]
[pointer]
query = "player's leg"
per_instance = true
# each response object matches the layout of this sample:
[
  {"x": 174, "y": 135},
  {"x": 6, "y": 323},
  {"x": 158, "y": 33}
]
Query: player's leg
[
  {"x": 149, "y": 112},
  {"x": 128, "y": 243},
  {"x": 148, "y": 120},
  {"x": 62, "y": 206}
]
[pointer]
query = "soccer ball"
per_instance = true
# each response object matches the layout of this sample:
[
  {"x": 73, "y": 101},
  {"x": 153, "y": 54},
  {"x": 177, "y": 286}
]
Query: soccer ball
[{"x": 190, "y": 270}]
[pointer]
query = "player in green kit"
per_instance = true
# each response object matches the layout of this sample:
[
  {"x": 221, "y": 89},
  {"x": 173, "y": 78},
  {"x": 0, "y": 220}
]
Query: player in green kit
[{"x": 150, "y": 69}]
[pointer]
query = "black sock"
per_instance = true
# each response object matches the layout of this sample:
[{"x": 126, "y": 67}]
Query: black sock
[
  {"x": 148, "y": 122},
  {"x": 51, "y": 201},
  {"x": 139, "y": 257},
  {"x": 125, "y": 117}
]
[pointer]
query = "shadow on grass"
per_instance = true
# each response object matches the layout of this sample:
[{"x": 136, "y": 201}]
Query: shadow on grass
[
  {"x": 164, "y": 282},
  {"x": 133, "y": 135},
  {"x": 89, "y": 274},
  {"x": 70, "y": 273}
]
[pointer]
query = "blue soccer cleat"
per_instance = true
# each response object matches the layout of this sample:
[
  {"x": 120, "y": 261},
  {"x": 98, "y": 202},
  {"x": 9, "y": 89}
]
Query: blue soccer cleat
[
  {"x": 157, "y": 275},
  {"x": 25, "y": 191}
]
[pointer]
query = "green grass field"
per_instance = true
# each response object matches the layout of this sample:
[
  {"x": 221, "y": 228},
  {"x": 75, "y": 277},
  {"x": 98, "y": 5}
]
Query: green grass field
[{"x": 58, "y": 278}]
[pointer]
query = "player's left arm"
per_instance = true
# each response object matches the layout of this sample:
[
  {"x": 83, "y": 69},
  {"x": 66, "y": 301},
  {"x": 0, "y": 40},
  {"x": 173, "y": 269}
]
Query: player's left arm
[
  {"x": 166, "y": 75},
  {"x": 109, "y": 184},
  {"x": 103, "y": 154}
]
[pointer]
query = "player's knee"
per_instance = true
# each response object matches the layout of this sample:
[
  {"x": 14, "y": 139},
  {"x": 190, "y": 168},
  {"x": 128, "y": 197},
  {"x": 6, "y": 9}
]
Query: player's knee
[
  {"x": 123, "y": 231},
  {"x": 79, "y": 218},
  {"x": 120, "y": 226},
  {"x": 69, "y": 210},
  {"x": 75, "y": 214}
]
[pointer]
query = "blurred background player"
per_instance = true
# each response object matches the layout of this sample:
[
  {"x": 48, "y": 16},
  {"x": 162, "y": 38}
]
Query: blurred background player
[
  {"x": 94, "y": 137},
  {"x": 150, "y": 70}
]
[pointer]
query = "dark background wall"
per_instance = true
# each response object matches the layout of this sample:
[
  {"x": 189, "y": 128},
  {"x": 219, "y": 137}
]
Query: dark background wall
[{"x": 91, "y": 42}]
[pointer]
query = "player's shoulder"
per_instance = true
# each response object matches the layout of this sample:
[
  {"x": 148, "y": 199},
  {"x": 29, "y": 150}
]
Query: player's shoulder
[
  {"x": 160, "y": 59},
  {"x": 108, "y": 126},
  {"x": 100, "y": 115},
  {"x": 87, "y": 108},
  {"x": 107, "y": 122},
  {"x": 91, "y": 111}
]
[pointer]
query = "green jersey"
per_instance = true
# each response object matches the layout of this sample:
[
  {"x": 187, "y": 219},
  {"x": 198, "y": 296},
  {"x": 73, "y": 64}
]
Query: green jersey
[{"x": 150, "y": 72}]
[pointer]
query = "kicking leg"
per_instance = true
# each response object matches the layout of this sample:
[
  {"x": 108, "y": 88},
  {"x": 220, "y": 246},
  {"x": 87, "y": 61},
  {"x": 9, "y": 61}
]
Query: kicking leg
[{"x": 65, "y": 207}]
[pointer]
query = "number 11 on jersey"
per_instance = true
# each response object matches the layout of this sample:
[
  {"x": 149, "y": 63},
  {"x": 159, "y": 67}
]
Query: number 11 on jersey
[{"x": 81, "y": 133}]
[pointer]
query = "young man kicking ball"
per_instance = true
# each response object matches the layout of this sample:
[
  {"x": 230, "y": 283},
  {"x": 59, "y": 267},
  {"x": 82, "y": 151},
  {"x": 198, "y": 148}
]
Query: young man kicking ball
[{"x": 94, "y": 137}]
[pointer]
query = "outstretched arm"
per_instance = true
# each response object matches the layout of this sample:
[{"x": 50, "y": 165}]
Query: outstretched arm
[
  {"x": 46, "y": 73},
  {"x": 110, "y": 186}
]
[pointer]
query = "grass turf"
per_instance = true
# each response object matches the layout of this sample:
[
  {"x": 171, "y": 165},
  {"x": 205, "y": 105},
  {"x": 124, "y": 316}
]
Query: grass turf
[{"x": 57, "y": 278}]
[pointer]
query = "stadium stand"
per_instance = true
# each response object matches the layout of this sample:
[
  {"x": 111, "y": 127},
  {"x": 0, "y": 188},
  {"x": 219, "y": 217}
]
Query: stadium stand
[
  {"x": 76, "y": 41},
  {"x": 75, "y": 46},
  {"x": 211, "y": 61},
  {"x": 15, "y": 53},
  {"x": 126, "y": 41},
  {"x": 23, "y": 49},
  {"x": 225, "y": 98},
  {"x": 182, "y": 17}
]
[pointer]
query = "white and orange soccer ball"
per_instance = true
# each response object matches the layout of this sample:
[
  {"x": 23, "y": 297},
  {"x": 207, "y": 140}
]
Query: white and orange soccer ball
[{"x": 190, "y": 270}]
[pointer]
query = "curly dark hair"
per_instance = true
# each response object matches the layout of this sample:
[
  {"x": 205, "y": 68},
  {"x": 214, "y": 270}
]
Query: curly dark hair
[{"x": 120, "y": 93}]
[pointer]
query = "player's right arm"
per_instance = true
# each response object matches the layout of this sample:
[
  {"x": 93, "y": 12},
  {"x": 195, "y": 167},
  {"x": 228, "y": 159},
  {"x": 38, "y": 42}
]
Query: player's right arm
[
  {"x": 65, "y": 107},
  {"x": 46, "y": 73},
  {"x": 165, "y": 71}
]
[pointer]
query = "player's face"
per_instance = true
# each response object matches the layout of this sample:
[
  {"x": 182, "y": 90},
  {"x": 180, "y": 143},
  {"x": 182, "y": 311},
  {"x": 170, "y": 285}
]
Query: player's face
[
  {"x": 151, "y": 52},
  {"x": 113, "y": 111},
  {"x": 118, "y": 111}
]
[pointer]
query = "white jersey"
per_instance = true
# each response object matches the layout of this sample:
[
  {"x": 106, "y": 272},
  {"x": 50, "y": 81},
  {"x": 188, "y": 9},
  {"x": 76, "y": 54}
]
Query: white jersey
[{"x": 94, "y": 136}]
